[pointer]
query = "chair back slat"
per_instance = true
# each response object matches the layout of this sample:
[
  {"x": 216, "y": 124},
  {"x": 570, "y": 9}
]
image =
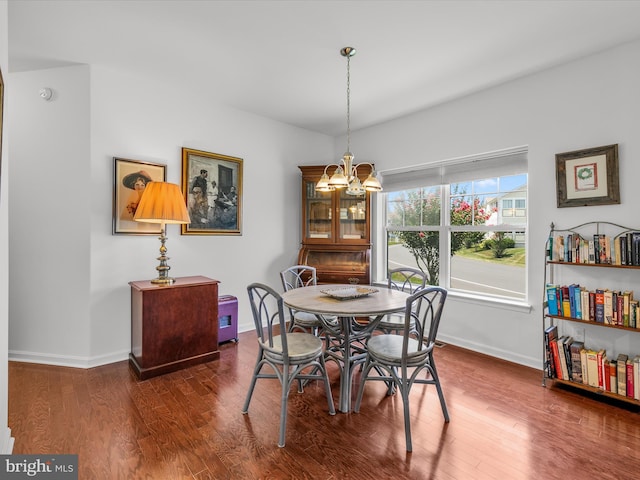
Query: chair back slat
[
  {"x": 298, "y": 276},
  {"x": 406, "y": 279},
  {"x": 425, "y": 308},
  {"x": 268, "y": 314}
]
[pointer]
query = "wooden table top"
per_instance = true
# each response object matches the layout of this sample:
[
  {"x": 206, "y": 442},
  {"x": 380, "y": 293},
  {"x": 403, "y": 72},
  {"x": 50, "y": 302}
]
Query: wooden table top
[{"x": 312, "y": 300}]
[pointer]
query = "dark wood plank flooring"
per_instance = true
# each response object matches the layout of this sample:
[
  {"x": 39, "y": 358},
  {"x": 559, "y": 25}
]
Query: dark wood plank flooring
[{"x": 188, "y": 425}]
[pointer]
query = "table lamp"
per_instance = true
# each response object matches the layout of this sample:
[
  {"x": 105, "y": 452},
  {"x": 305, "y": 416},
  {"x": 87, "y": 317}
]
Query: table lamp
[{"x": 162, "y": 203}]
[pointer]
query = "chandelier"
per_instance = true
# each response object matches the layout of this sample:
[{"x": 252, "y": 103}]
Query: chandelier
[{"x": 346, "y": 175}]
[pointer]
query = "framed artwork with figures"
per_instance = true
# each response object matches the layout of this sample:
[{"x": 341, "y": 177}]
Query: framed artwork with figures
[
  {"x": 130, "y": 177},
  {"x": 212, "y": 186}
]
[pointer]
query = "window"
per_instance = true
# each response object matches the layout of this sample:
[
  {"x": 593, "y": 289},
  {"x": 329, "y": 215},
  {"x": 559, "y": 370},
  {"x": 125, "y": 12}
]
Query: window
[{"x": 465, "y": 226}]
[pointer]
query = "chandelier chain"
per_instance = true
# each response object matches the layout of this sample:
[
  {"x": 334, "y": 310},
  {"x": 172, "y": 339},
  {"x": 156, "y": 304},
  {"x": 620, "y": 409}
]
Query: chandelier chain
[{"x": 348, "y": 103}]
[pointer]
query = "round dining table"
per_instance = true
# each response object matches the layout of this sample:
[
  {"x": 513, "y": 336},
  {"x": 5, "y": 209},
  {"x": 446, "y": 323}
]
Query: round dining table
[{"x": 358, "y": 309}]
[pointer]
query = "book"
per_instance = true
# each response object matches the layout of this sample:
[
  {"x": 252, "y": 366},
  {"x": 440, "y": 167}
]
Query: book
[
  {"x": 630, "y": 384},
  {"x": 566, "y": 303},
  {"x": 583, "y": 364},
  {"x": 592, "y": 252},
  {"x": 599, "y": 306},
  {"x": 623, "y": 249},
  {"x": 552, "y": 299},
  {"x": 600, "y": 358},
  {"x": 550, "y": 335},
  {"x": 608, "y": 307},
  {"x": 556, "y": 358},
  {"x": 584, "y": 304},
  {"x": 635, "y": 249},
  {"x": 626, "y": 303},
  {"x": 562, "y": 357},
  {"x": 633, "y": 313},
  {"x": 622, "y": 374},
  {"x": 616, "y": 246},
  {"x": 572, "y": 300},
  {"x": 606, "y": 378},
  {"x": 592, "y": 306},
  {"x": 566, "y": 347},
  {"x": 576, "y": 362},
  {"x": 596, "y": 247},
  {"x": 636, "y": 377},
  {"x": 592, "y": 368},
  {"x": 613, "y": 375},
  {"x": 559, "y": 248}
]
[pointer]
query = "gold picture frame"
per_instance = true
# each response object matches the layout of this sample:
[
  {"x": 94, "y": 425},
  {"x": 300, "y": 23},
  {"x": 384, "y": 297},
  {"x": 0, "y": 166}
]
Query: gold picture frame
[
  {"x": 129, "y": 179},
  {"x": 212, "y": 187},
  {"x": 588, "y": 177}
]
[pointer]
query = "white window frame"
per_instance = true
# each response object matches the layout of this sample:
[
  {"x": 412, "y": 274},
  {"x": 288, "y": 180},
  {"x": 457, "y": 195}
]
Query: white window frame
[{"x": 412, "y": 178}]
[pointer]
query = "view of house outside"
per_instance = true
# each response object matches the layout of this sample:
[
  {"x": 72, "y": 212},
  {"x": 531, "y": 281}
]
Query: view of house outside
[{"x": 486, "y": 226}]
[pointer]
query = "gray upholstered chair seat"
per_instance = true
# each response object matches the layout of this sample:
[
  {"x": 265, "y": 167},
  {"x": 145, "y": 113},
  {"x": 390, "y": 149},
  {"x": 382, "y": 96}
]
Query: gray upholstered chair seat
[
  {"x": 388, "y": 349},
  {"x": 305, "y": 319},
  {"x": 302, "y": 348}
]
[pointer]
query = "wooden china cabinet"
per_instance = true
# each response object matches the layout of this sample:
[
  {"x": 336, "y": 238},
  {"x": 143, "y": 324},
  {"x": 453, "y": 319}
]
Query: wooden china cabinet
[{"x": 336, "y": 230}]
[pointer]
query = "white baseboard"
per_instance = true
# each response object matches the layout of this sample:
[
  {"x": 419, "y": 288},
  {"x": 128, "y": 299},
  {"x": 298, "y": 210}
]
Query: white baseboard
[
  {"x": 6, "y": 442},
  {"x": 494, "y": 352},
  {"x": 67, "y": 360}
]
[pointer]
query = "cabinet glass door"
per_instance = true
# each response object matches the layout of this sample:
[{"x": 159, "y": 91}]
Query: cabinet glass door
[
  {"x": 353, "y": 216},
  {"x": 319, "y": 213}
]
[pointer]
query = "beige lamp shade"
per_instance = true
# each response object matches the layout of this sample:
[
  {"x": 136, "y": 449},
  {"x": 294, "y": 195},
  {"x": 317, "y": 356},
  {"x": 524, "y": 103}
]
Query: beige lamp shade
[{"x": 163, "y": 203}]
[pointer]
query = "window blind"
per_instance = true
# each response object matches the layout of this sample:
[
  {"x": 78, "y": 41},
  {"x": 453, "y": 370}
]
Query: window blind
[{"x": 498, "y": 163}]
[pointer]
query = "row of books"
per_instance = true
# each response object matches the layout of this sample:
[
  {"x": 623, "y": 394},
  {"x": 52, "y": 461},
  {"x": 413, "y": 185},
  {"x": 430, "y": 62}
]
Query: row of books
[
  {"x": 623, "y": 249},
  {"x": 567, "y": 359},
  {"x": 601, "y": 305}
]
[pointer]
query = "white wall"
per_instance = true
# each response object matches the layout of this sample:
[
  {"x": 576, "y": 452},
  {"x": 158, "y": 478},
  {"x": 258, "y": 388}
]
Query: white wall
[
  {"x": 6, "y": 442},
  {"x": 587, "y": 103},
  {"x": 62, "y": 251}
]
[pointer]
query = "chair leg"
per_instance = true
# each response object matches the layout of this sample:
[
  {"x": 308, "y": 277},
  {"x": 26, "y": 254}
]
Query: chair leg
[
  {"x": 363, "y": 379},
  {"x": 436, "y": 380},
  {"x": 254, "y": 378},
  {"x": 283, "y": 407},
  {"x": 404, "y": 390},
  {"x": 327, "y": 387}
]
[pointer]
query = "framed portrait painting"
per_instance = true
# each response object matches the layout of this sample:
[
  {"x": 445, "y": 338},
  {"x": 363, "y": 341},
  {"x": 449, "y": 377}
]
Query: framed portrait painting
[
  {"x": 212, "y": 186},
  {"x": 130, "y": 177},
  {"x": 588, "y": 177}
]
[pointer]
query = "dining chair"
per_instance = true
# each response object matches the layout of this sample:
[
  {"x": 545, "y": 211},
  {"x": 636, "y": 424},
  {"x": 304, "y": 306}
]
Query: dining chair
[
  {"x": 298, "y": 276},
  {"x": 401, "y": 358},
  {"x": 293, "y": 356},
  {"x": 404, "y": 279}
]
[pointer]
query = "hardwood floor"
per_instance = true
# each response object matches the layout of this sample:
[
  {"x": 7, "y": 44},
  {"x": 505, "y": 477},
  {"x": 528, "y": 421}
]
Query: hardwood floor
[{"x": 187, "y": 424}]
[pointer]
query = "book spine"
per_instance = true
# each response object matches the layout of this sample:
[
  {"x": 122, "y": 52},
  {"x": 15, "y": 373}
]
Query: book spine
[
  {"x": 600, "y": 362},
  {"x": 622, "y": 374},
  {"x": 592, "y": 306},
  {"x": 599, "y": 306},
  {"x": 613, "y": 374},
  {"x": 630, "y": 383},
  {"x": 636, "y": 377},
  {"x": 608, "y": 307},
  {"x": 556, "y": 358},
  {"x": 592, "y": 368},
  {"x": 583, "y": 364},
  {"x": 552, "y": 299}
]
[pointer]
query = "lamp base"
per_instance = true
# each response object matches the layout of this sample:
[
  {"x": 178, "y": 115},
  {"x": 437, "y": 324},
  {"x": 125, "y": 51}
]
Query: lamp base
[{"x": 163, "y": 281}]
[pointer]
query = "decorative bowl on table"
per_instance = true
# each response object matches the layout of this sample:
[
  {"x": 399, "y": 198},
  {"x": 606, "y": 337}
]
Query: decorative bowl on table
[{"x": 348, "y": 293}]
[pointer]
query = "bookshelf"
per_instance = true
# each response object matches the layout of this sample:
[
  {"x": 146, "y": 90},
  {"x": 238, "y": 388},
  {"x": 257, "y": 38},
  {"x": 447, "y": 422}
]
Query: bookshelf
[{"x": 582, "y": 252}]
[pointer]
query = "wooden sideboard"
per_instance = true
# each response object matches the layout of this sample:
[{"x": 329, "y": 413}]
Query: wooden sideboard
[{"x": 173, "y": 326}]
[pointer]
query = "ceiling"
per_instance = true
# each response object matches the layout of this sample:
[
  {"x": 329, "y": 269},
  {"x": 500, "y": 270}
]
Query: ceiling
[{"x": 281, "y": 59}]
